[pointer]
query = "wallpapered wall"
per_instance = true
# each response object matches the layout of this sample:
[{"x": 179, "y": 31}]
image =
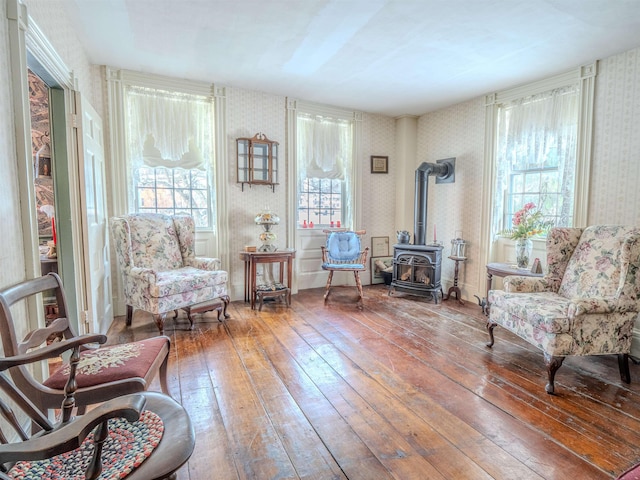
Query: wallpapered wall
[
  {"x": 457, "y": 132},
  {"x": 58, "y": 29},
  {"x": 250, "y": 112},
  {"x": 615, "y": 172}
]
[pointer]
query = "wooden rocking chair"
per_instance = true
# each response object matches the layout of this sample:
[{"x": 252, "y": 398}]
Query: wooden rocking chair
[
  {"x": 141, "y": 436},
  {"x": 343, "y": 253}
]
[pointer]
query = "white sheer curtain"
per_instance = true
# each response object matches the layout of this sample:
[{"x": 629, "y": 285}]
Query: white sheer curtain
[
  {"x": 537, "y": 131},
  {"x": 169, "y": 129},
  {"x": 325, "y": 147}
]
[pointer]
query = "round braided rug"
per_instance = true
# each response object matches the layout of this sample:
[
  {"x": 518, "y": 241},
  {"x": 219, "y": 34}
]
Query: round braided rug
[{"x": 128, "y": 445}]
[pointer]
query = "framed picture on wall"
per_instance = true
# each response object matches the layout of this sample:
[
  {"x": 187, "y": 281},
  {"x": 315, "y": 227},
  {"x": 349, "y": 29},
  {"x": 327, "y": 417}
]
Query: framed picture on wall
[
  {"x": 380, "y": 266},
  {"x": 379, "y": 164},
  {"x": 379, "y": 246},
  {"x": 44, "y": 167}
]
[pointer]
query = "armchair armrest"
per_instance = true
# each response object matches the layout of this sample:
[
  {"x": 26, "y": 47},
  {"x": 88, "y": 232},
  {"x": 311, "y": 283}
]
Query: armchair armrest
[
  {"x": 70, "y": 436},
  {"x": 146, "y": 274},
  {"x": 204, "y": 263},
  {"x": 523, "y": 284},
  {"x": 583, "y": 306}
]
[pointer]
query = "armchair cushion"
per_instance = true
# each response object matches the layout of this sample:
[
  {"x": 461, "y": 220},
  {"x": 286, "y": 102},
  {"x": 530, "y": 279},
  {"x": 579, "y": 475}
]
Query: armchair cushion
[
  {"x": 185, "y": 279},
  {"x": 544, "y": 311},
  {"x": 343, "y": 246}
]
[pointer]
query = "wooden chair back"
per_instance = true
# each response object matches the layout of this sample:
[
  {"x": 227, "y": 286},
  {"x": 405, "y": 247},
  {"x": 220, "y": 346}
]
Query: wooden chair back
[
  {"x": 13, "y": 314},
  {"x": 25, "y": 453}
]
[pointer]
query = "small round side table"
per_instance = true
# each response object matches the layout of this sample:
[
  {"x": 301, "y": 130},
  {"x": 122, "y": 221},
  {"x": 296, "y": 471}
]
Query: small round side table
[{"x": 455, "y": 287}]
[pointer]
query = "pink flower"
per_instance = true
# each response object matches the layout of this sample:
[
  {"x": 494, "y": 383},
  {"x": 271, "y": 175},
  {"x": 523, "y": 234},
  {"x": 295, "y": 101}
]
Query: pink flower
[{"x": 527, "y": 222}]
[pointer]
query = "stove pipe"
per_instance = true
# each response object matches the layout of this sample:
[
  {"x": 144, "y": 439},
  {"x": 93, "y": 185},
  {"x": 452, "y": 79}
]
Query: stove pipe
[{"x": 444, "y": 169}]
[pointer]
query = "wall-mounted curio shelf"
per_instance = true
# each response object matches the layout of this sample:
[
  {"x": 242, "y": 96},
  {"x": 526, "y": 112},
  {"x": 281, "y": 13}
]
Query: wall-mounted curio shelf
[{"x": 257, "y": 161}]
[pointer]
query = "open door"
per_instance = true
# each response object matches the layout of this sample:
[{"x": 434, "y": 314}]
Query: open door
[{"x": 97, "y": 273}]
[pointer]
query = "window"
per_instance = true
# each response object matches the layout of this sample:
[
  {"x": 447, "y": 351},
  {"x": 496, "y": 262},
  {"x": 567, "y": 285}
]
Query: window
[
  {"x": 536, "y": 155},
  {"x": 538, "y": 149},
  {"x": 170, "y": 149},
  {"x": 320, "y": 201},
  {"x": 173, "y": 190},
  {"x": 324, "y": 160}
]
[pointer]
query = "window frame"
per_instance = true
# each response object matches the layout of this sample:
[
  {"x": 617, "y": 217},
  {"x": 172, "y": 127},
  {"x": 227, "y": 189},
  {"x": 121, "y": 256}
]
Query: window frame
[
  {"x": 332, "y": 218},
  {"x": 212, "y": 242},
  {"x": 175, "y": 209},
  {"x": 296, "y": 107},
  {"x": 585, "y": 76}
]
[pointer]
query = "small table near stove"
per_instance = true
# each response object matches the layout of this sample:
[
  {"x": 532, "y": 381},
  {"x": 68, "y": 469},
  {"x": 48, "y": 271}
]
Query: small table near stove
[
  {"x": 502, "y": 270},
  {"x": 455, "y": 288}
]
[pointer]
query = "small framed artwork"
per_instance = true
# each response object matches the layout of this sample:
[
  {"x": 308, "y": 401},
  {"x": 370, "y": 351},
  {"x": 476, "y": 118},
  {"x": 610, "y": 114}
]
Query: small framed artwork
[
  {"x": 537, "y": 266},
  {"x": 379, "y": 164},
  {"x": 379, "y": 246},
  {"x": 44, "y": 168},
  {"x": 381, "y": 267}
]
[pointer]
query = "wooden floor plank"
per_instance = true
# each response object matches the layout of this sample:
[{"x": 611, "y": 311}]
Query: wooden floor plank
[
  {"x": 307, "y": 453},
  {"x": 387, "y": 444},
  {"x": 552, "y": 425},
  {"x": 458, "y": 434},
  {"x": 403, "y": 388}
]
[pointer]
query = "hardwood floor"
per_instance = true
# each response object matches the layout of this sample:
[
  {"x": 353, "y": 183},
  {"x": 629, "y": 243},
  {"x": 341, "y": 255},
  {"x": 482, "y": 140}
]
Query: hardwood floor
[{"x": 403, "y": 389}]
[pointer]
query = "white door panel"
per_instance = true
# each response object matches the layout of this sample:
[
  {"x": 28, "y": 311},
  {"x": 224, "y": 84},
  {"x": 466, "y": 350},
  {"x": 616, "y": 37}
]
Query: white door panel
[{"x": 97, "y": 273}]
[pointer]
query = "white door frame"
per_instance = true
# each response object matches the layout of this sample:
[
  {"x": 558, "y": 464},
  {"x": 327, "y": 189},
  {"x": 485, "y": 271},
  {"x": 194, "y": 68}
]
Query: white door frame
[{"x": 27, "y": 39}]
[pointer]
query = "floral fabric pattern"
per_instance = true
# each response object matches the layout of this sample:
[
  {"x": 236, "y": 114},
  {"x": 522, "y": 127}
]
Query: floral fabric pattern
[
  {"x": 156, "y": 255},
  {"x": 97, "y": 361},
  {"x": 111, "y": 363},
  {"x": 588, "y": 301}
]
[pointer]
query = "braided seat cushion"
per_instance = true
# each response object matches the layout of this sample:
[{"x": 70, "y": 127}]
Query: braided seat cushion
[{"x": 128, "y": 445}]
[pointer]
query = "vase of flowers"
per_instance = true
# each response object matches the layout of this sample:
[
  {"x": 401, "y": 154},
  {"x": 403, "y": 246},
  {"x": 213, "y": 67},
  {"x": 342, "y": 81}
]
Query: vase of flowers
[
  {"x": 524, "y": 247},
  {"x": 527, "y": 222}
]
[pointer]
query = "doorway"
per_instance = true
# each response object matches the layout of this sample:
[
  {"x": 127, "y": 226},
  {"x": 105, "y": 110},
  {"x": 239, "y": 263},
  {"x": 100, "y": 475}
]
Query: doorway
[
  {"x": 43, "y": 179},
  {"x": 50, "y": 163}
]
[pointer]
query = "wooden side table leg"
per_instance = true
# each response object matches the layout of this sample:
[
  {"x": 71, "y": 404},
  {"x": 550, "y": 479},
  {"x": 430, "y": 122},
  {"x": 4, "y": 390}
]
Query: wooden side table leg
[
  {"x": 485, "y": 303},
  {"x": 252, "y": 283}
]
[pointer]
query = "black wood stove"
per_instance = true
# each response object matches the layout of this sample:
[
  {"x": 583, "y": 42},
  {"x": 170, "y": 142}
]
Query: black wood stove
[
  {"x": 416, "y": 269},
  {"x": 417, "y": 266}
]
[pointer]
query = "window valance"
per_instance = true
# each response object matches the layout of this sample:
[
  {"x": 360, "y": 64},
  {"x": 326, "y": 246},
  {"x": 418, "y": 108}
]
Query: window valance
[
  {"x": 168, "y": 129},
  {"x": 324, "y": 146}
]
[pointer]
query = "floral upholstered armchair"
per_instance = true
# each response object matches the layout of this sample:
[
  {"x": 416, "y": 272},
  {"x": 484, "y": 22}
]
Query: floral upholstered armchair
[
  {"x": 586, "y": 304},
  {"x": 160, "y": 270}
]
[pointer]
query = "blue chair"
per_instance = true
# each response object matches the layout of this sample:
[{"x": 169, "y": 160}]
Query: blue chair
[{"x": 343, "y": 253}]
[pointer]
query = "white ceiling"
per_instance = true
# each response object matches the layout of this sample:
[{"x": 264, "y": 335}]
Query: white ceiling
[{"x": 382, "y": 56}]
